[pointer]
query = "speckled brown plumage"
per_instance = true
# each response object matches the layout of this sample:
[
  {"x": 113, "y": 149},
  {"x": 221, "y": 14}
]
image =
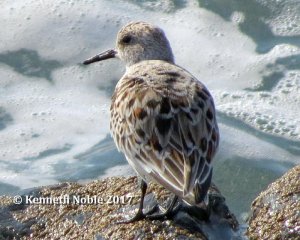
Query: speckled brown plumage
[{"x": 162, "y": 118}]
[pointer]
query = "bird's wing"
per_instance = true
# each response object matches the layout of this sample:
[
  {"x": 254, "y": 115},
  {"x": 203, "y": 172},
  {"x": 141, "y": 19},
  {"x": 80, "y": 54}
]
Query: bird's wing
[{"x": 171, "y": 131}]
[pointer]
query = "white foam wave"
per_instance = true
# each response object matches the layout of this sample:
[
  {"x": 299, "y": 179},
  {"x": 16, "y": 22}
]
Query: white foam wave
[{"x": 69, "y": 112}]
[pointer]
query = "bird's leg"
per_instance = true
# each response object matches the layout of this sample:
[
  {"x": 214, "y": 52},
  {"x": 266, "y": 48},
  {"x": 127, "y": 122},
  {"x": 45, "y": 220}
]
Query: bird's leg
[
  {"x": 167, "y": 213},
  {"x": 201, "y": 212},
  {"x": 139, "y": 215}
]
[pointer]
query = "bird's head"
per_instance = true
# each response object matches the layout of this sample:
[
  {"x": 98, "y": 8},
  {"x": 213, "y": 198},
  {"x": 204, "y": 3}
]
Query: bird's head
[{"x": 138, "y": 41}]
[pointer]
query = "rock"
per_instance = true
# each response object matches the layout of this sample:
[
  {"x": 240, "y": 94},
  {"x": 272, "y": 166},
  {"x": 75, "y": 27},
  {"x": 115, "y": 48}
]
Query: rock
[
  {"x": 276, "y": 211},
  {"x": 91, "y": 211}
]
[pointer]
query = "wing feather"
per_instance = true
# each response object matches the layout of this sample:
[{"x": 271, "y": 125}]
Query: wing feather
[{"x": 173, "y": 129}]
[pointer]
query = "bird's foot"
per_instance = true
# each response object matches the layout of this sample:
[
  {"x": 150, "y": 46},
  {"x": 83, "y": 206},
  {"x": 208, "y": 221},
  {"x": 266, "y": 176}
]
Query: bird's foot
[
  {"x": 200, "y": 213},
  {"x": 164, "y": 215},
  {"x": 140, "y": 215}
]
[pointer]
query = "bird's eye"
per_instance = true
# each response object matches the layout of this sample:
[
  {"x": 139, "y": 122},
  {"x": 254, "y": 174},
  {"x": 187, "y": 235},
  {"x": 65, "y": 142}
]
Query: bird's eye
[{"x": 126, "y": 39}]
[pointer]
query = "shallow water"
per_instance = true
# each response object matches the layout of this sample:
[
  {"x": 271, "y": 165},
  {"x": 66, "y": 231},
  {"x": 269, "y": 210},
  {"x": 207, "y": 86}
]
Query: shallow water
[{"x": 54, "y": 112}]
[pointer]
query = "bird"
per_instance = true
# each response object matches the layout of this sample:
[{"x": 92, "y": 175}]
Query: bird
[{"x": 162, "y": 118}]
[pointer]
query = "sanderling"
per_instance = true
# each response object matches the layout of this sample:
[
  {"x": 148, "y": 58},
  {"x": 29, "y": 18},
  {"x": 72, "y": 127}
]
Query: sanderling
[{"x": 162, "y": 118}]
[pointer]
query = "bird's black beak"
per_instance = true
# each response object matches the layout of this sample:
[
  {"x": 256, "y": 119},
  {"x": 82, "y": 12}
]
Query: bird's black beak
[{"x": 101, "y": 56}]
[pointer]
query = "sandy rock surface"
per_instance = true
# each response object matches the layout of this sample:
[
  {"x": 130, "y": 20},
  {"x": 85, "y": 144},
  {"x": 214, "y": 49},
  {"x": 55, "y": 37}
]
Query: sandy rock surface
[
  {"x": 102, "y": 204},
  {"x": 276, "y": 211}
]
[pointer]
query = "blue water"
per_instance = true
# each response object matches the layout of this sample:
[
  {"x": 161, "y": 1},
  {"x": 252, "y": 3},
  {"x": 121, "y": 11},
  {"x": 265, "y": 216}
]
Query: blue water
[{"x": 54, "y": 112}]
